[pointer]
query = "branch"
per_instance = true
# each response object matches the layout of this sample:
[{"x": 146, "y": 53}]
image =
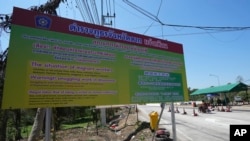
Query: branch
[{"x": 47, "y": 8}]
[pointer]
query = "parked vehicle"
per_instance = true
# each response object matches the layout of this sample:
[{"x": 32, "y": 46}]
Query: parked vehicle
[{"x": 238, "y": 99}]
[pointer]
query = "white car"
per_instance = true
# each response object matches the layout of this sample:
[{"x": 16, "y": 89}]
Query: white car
[{"x": 237, "y": 99}]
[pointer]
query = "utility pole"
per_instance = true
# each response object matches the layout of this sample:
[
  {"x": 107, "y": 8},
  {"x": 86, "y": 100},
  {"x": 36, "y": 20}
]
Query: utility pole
[{"x": 106, "y": 19}]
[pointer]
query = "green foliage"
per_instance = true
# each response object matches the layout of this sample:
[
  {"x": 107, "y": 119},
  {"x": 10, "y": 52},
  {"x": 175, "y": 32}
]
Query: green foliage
[
  {"x": 244, "y": 95},
  {"x": 78, "y": 117},
  {"x": 79, "y": 120},
  {"x": 25, "y": 131},
  {"x": 11, "y": 132},
  {"x": 70, "y": 126},
  {"x": 27, "y": 116},
  {"x": 71, "y": 115}
]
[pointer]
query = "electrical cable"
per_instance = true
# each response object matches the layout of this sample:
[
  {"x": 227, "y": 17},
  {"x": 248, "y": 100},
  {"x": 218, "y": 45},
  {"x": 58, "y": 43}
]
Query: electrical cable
[
  {"x": 86, "y": 10},
  {"x": 80, "y": 9},
  {"x": 89, "y": 12},
  {"x": 159, "y": 9},
  {"x": 156, "y": 19},
  {"x": 95, "y": 12},
  {"x": 110, "y": 8},
  {"x": 142, "y": 11},
  {"x": 197, "y": 33},
  {"x": 148, "y": 28},
  {"x": 107, "y": 6},
  {"x": 114, "y": 11}
]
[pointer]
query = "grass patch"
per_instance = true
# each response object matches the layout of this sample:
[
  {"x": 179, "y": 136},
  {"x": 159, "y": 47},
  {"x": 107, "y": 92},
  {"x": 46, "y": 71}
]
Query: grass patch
[
  {"x": 70, "y": 126},
  {"x": 77, "y": 123},
  {"x": 25, "y": 131},
  {"x": 78, "y": 120}
]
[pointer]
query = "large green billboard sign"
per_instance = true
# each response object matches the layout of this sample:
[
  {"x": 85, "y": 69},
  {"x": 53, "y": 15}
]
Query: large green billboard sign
[{"x": 57, "y": 62}]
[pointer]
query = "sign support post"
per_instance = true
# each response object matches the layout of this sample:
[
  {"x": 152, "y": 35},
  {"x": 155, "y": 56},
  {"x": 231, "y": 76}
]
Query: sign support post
[
  {"x": 173, "y": 122},
  {"x": 47, "y": 124},
  {"x": 103, "y": 116}
]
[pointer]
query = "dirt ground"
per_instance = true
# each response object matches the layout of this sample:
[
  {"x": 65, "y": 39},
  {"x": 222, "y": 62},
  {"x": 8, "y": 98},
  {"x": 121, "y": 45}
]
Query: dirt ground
[{"x": 125, "y": 127}]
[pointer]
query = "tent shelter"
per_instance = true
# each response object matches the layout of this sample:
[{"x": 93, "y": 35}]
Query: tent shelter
[{"x": 231, "y": 87}]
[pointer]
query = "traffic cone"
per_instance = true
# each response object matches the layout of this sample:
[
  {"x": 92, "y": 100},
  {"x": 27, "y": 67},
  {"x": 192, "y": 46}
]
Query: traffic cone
[
  {"x": 228, "y": 109},
  {"x": 218, "y": 108},
  {"x": 184, "y": 112},
  {"x": 177, "y": 111},
  {"x": 169, "y": 109},
  {"x": 222, "y": 109},
  {"x": 194, "y": 114}
]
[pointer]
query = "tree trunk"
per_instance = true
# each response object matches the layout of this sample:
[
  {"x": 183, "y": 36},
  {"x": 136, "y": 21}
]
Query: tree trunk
[
  {"x": 38, "y": 124},
  {"x": 3, "y": 124},
  {"x": 18, "y": 135},
  {"x": 3, "y": 113}
]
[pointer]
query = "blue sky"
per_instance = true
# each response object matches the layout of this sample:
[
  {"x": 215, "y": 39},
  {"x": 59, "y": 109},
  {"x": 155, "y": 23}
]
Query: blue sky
[{"x": 225, "y": 55}]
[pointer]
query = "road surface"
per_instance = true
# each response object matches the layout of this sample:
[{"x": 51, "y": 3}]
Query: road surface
[{"x": 204, "y": 127}]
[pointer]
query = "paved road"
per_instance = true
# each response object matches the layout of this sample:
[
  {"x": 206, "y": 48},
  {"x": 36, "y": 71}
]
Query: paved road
[{"x": 204, "y": 127}]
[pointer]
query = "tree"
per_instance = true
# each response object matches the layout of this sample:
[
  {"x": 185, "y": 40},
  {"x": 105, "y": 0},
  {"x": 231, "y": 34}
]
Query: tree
[
  {"x": 5, "y": 24},
  {"x": 17, "y": 120},
  {"x": 3, "y": 124},
  {"x": 239, "y": 78},
  {"x": 49, "y": 7},
  {"x": 38, "y": 124},
  {"x": 191, "y": 91},
  {"x": 3, "y": 113}
]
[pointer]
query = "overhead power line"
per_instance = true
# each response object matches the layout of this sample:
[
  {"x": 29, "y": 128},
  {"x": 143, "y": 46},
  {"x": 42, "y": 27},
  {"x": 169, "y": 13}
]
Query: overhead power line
[
  {"x": 156, "y": 19},
  {"x": 209, "y": 27},
  {"x": 196, "y": 33},
  {"x": 88, "y": 11}
]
